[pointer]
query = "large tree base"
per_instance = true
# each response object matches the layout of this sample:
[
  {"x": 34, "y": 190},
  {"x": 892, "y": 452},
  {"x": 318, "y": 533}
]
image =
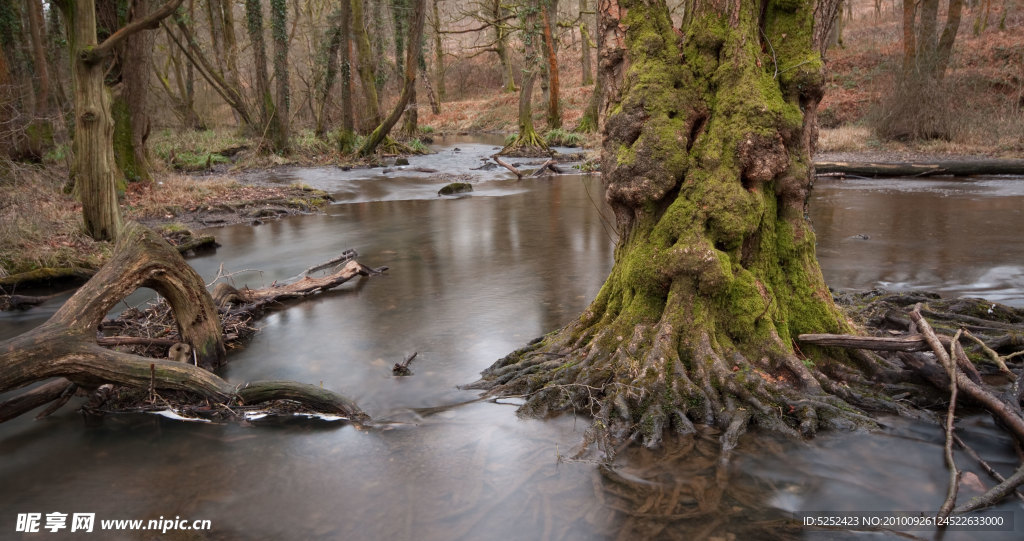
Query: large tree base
[
  {"x": 881, "y": 372},
  {"x": 527, "y": 144}
]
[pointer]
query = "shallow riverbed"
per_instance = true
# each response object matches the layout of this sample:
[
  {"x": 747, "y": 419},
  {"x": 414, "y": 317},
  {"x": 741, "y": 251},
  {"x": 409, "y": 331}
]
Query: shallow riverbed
[{"x": 471, "y": 279}]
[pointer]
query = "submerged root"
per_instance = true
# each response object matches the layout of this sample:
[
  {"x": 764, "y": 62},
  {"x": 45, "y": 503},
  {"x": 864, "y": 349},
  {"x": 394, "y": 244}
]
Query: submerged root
[
  {"x": 645, "y": 387},
  {"x": 527, "y": 145}
]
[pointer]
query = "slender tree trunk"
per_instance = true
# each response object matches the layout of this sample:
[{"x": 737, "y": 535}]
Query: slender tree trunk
[
  {"x": 415, "y": 39},
  {"x": 549, "y": 18},
  {"x": 508, "y": 80},
  {"x": 327, "y": 70},
  {"x": 399, "y": 17},
  {"x": 42, "y": 72},
  {"x": 380, "y": 42},
  {"x": 587, "y": 71},
  {"x": 282, "y": 97},
  {"x": 269, "y": 118},
  {"x": 131, "y": 103},
  {"x": 347, "y": 119},
  {"x": 945, "y": 47},
  {"x": 590, "y": 122},
  {"x": 909, "y": 37},
  {"x": 366, "y": 64},
  {"x": 706, "y": 161},
  {"x": 231, "y": 49},
  {"x": 438, "y": 57},
  {"x": 226, "y": 85}
]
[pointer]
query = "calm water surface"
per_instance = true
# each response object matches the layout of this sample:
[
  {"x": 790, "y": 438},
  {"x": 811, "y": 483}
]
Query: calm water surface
[{"x": 471, "y": 279}]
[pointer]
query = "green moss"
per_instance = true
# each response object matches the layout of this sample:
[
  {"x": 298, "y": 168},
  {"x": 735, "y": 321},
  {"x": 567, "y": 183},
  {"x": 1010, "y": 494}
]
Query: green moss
[
  {"x": 455, "y": 188},
  {"x": 124, "y": 150}
]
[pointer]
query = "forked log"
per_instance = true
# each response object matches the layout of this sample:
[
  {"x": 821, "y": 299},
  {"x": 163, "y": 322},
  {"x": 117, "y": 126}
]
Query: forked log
[{"x": 66, "y": 345}]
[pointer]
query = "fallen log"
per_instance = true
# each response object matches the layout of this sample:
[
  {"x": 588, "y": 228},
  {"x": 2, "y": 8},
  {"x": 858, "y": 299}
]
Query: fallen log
[
  {"x": 66, "y": 346},
  {"x": 551, "y": 165},
  {"x": 30, "y": 400},
  {"x": 960, "y": 168},
  {"x": 508, "y": 166},
  {"x": 913, "y": 342},
  {"x": 9, "y": 303}
]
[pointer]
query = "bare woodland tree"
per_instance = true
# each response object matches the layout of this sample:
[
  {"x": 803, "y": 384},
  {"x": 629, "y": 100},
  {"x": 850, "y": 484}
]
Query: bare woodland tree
[
  {"x": 94, "y": 169},
  {"x": 915, "y": 109}
]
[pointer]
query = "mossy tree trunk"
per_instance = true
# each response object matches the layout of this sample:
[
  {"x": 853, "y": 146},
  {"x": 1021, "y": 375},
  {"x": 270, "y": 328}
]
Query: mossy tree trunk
[
  {"x": 366, "y": 64},
  {"x": 527, "y": 141},
  {"x": 508, "y": 80},
  {"x": 131, "y": 102},
  {"x": 549, "y": 18},
  {"x": 282, "y": 92},
  {"x": 707, "y": 166},
  {"x": 273, "y": 123},
  {"x": 415, "y": 42},
  {"x": 94, "y": 169},
  {"x": 587, "y": 73},
  {"x": 326, "y": 69},
  {"x": 347, "y": 119},
  {"x": 438, "y": 55}
]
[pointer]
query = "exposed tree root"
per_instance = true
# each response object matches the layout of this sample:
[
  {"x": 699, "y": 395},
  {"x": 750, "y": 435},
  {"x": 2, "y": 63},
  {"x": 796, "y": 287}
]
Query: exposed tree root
[
  {"x": 668, "y": 385},
  {"x": 527, "y": 145},
  {"x": 67, "y": 345}
]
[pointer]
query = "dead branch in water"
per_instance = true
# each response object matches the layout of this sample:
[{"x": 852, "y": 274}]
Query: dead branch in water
[
  {"x": 995, "y": 326},
  {"x": 67, "y": 345},
  {"x": 508, "y": 166}
]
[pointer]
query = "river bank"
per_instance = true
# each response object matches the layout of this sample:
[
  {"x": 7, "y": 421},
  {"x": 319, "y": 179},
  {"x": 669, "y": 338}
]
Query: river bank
[{"x": 42, "y": 239}]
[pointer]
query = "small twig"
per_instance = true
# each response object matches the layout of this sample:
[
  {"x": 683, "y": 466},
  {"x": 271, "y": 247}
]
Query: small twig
[
  {"x": 984, "y": 465},
  {"x": 345, "y": 257},
  {"x": 995, "y": 494},
  {"x": 402, "y": 368},
  {"x": 991, "y": 353},
  {"x": 954, "y": 475},
  {"x": 152, "y": 382},
  {"x": 774, "y": 59}
]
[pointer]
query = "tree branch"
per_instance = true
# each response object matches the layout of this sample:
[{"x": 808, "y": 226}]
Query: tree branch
[{"x": 103, "y": 50}]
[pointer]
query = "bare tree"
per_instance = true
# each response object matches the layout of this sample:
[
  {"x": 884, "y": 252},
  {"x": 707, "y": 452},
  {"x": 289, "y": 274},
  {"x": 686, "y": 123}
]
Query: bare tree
[{"x": 94, "y": 170}]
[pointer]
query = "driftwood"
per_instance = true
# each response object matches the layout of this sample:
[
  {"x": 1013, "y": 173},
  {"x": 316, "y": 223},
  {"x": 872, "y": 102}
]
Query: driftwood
[
  {"x": 402, "y": 368},
  {"x": 21, "y": 302},
  {"x": 508, "y": 166},
  {"x": 954, "y": 374},
  {"x": 904, "y": 169},
  {"x": 914, "y": 342},
  {"x": 66, "y": 346},
  {"x": 548, "y": 165}
]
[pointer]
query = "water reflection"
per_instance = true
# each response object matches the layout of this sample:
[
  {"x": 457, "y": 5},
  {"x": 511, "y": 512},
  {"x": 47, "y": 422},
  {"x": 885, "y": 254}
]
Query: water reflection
[
  {"x": 957, "y": 237},
  {"x": 472, "y": 279}
]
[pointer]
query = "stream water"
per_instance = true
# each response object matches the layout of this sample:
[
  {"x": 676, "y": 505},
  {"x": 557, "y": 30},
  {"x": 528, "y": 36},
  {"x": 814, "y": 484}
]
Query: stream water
[{"x": 471, "y": 279}]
